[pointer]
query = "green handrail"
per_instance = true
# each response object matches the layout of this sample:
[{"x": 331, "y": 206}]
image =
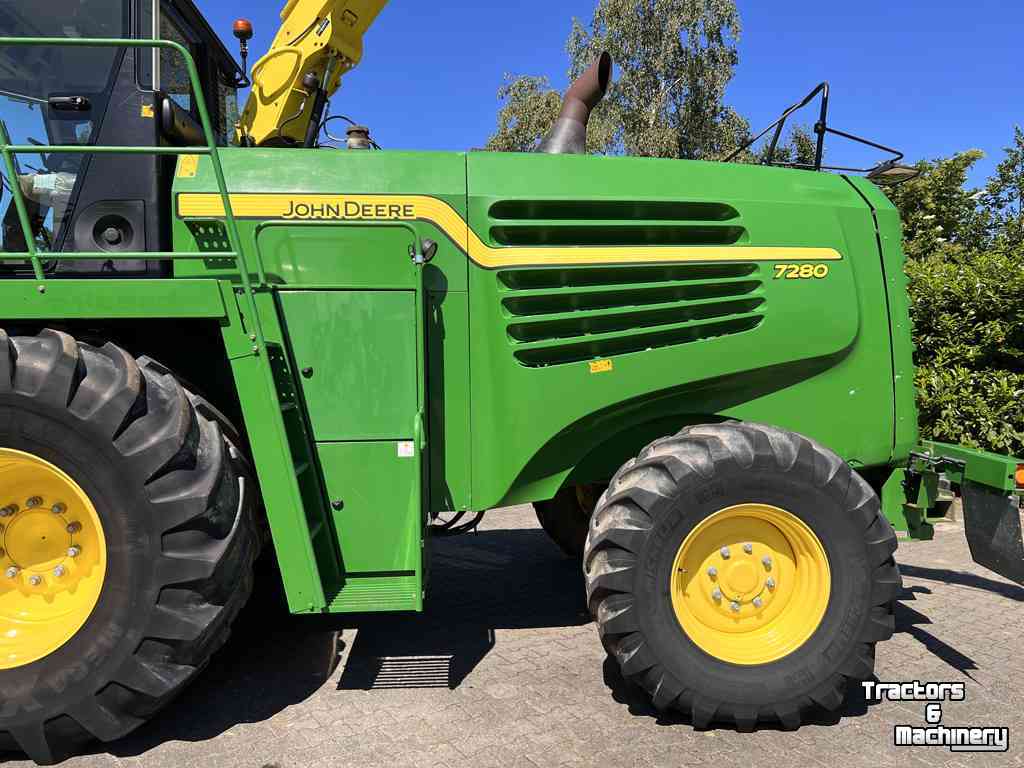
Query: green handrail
[{"x": 10, "y": 150}]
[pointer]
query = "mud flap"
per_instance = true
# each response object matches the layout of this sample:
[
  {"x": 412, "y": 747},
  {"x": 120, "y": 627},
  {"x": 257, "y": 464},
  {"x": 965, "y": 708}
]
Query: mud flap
[{"x": 992, "y": 522}]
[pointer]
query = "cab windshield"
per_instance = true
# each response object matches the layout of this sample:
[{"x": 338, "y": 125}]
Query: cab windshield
[{"x": 35, "y": 78}]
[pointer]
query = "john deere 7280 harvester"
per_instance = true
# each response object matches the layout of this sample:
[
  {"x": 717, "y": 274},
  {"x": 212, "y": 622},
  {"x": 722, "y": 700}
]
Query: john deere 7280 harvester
[{"x": 216, "y": 330}]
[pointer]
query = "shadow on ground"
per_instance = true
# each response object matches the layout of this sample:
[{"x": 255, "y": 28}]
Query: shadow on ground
[
  {"x": 965, "y": 579},
  {"x": 493, "y": 579},
  {"x": 913, "y": 623}
]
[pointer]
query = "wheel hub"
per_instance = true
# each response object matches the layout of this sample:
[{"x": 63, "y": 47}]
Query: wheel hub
[
  {"x": 52, "y": 558},
  {"x": 750, "y": 584},
  {"x": 741, "y": 578}
]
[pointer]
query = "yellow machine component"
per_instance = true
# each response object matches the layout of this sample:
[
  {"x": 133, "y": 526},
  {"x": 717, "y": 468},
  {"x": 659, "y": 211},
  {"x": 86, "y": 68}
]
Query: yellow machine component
[
  {"x": 318, "y": 41},
  {"x": 750, "y": 584},
  {"x": 53, "y": 558}
]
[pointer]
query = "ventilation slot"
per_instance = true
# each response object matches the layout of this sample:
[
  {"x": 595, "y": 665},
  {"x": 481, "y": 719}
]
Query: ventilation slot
[
  {"x": 558, "y": 316},
  {"x": 616, "y": 235},
  {"x": 602, "y": 210},
  {"x": 614, "y": 223},
  {"x": 588, "y": 276}
]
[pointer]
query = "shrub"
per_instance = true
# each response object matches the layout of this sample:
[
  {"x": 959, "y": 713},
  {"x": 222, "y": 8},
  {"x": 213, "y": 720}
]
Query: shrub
[{"x": 968, "y": 313}]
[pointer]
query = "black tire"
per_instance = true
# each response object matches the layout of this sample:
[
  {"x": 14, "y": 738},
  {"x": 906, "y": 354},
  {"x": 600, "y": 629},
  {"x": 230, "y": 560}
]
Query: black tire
[
  {"x": 655, "y": 500},
  {"x": 566, "y": 517},
  {"x": 175, "y": 500}
]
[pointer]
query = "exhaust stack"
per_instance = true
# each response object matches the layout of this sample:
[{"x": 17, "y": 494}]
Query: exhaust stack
[{"x": 568, "y": 136}]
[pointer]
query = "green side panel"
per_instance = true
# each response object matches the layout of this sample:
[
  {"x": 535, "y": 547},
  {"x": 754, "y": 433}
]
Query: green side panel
[
  {"x": 684, "y": 343},
  {"x": 109, "y": 299},
  {"x": 447, "y": 352},
  {"x": 890, "y": 238},
  {"x": 811, "y": 355},
  {"x": 355, "y": 351},
  {"x": 374, "y": 488},
  {"x": 359, "y": 256}
]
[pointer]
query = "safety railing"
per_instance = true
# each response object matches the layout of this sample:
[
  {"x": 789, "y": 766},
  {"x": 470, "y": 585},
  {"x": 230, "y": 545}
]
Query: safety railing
[{"x": 9, "y": 151}]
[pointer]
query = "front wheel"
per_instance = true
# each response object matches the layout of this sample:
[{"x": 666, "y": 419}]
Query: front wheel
[
  {"x": 741, "y": 574},
  {"x": 126, "y": 541}
]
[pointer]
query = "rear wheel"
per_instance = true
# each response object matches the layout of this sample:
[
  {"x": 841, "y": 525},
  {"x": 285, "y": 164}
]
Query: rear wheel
[
  {"x": 741, "y": 574},
  {"x": 128, "y": 540}
]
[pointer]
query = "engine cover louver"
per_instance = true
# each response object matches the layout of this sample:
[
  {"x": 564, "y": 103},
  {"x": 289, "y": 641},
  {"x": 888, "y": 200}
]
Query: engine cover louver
[
  {"x": 557, "y": 316},
  {"x": 613, "y": 222},
  {"x": 564, "y": 315}
]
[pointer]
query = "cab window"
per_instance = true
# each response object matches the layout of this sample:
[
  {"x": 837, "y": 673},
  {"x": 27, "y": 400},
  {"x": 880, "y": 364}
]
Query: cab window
[{"x": 31, "y": 79}]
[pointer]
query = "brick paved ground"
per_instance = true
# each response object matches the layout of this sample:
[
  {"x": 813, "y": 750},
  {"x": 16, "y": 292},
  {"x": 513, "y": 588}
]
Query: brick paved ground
[{"x": 505, "y": 669}]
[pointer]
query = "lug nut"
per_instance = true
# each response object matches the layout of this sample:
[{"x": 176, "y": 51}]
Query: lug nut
[
  {"x": 748, "y": 548},
  {"x": 58, "y": 509},
  {"x": 712, "y": 571},
  {"x": 724, "y": 552},
  {"x": 35, "y": 501},
  {"x": 734, "y": 607},
  {"x": 59, "y": 571},
  {"x": 35, "y": 581},
  {"x": 74, "y": 527},
  {"x": 767, "y": 562},
  {"x": 770, "y": 583},
  {"x": 11, "y": 572},
  {"x": 74, "y": 551},
  {"x": 9, "y": 510},
  {"x": 716, "y": 594},
  {"x": 758, "y": 602}
]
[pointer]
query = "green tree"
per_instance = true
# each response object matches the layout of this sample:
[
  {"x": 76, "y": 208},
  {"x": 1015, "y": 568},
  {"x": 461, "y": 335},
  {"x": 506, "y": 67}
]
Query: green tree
[
  {"x": 674, "y": 59},
  {"x": 938, "y": 210},
  {"x": 1004, "y": 194}
]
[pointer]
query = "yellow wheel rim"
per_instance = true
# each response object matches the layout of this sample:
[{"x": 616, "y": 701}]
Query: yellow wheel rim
[
  {"x": 53, "y": 558},
  {"x": 750, "y": 584}
]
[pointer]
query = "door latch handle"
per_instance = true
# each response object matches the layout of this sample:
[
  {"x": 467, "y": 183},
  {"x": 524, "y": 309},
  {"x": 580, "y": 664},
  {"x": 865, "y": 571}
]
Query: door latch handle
[{"x": 69, "y": 103}]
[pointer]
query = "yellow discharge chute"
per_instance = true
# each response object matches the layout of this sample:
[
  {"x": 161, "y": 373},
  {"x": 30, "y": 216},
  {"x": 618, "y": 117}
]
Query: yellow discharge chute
[{"x": 317, "y": 43}]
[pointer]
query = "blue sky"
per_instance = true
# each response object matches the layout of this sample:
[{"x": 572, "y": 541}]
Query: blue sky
[{"x": 929, "y": 77}]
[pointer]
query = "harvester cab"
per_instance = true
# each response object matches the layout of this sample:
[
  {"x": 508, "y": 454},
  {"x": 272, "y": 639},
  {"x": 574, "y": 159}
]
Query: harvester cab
[
  {"x": 139, "y": 98},
  {"x": 219, "y": 333}
]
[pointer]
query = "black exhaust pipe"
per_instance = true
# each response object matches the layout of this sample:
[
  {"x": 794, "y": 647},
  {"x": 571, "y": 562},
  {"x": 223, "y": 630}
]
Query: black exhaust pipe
[{"x": 568, "y": 136}]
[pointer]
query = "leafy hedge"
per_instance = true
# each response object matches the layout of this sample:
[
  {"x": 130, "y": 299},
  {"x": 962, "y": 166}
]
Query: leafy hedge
[
  {"x": 966, "y": 269},
  {"x": 969, "y": 331}
]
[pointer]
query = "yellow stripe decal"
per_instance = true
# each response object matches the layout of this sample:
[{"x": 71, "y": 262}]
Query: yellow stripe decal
[{"x": 207, "y": 205}]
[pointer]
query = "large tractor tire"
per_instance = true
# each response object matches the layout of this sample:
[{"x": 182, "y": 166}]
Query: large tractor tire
[
  {"x": 741, "y": 574},
  {"x": 566, "y": 517},
  {"x": 128, "y": 540}
]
